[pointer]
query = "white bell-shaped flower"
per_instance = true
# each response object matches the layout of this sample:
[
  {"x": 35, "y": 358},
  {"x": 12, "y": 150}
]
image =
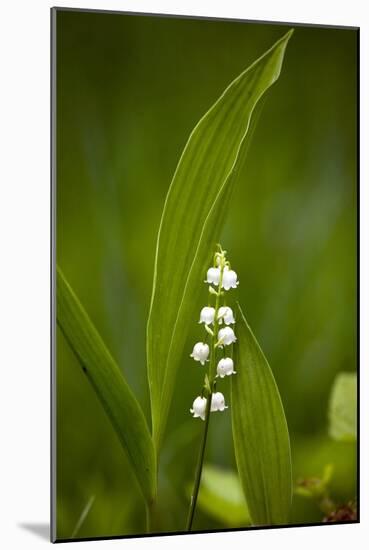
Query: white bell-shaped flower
[
  {"x": 217, "y": 402},
  {"x": 207, "y": 315},
  {"x": 225, "y": 367},
  {"x": 199, "y": 407},
  {"x": 213, "y": 276},
  {"x": 200, "y": 352},
  {"x": 225, "y": 314},
  {"x": 226, "y": 336},
  {"x": 229, "y": 279}
]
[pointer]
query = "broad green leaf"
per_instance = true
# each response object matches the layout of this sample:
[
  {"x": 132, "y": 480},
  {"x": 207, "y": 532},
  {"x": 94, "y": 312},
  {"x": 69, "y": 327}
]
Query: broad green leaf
[
  {"x": 191, "y": 223},
  {"x": 109, "y": 384},
  {"x": 221, "y": 496},
  {"x": 342, "y": 407},
  {"x": 260, "y": 433}
]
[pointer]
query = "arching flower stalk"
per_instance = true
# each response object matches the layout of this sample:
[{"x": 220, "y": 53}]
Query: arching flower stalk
[{"x": 216, "y": 355}]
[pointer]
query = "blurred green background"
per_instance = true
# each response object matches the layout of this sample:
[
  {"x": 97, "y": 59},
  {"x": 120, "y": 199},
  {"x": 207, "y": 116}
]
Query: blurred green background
[{"x": 129, "y": 91}]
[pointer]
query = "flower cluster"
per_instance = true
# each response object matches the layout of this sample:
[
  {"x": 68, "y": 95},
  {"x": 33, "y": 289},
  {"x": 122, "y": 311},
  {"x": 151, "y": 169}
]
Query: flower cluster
[{"x": 217, "y": 321}]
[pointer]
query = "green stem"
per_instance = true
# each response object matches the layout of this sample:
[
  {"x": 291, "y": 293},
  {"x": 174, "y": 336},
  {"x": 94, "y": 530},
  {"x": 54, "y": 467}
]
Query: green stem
[
  {"x": 211, "y": 376},
  {"x": 150, "y": 516},
  {"x": 200, "y": 462}
]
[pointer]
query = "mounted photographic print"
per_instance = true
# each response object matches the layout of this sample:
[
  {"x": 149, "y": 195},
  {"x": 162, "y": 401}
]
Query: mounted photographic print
[{"x": 204, "y": 274}]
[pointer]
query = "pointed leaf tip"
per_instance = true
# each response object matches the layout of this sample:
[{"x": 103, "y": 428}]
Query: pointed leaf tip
[{"x": 191, "y": 222}]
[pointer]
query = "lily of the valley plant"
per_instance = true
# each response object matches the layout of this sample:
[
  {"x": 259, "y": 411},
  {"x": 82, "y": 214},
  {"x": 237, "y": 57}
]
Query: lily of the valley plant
[
  {"x": 205, "y": 176},
  {"x": 215, "y": 356}
]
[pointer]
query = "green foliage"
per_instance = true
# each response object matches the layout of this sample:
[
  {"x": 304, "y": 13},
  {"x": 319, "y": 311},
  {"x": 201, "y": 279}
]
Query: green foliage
[
  {"x": 221, "y": 496},
  {"x": 260, "y": 433},
  {"x": 109, "y": 384},
  {"x": 315, "y": 487},
  {"x": 123, "y": 118},
  {"x": 315, "y": 455},
  {"x": 191, "y": 222},
  {"x": 343, "y": 407}
]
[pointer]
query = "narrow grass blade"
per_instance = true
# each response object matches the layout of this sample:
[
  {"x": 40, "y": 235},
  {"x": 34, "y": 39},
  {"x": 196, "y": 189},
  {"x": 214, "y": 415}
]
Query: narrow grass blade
[
  {"x": 191, "y": 223},
  {"x": 260, "y": 433},
  {"x": 109, "y": 384},
  {"x": 83, "y": 516}
]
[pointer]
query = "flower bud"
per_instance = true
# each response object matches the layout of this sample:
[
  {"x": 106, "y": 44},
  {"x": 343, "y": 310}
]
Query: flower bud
[
  {"x": 213, "y": 291},
  {"x": 207, "y": 315},
  {"x": 226, "y": 336},
  {"x": 199, "y": 407},
  {"x": 225, "y": 313},
  {"x": 229, "y": 279},
  {"x": 225, "y": 367},
  {"x": 200, "y": 352},
  {"x": 217, "y": 402},
  {"x": 213, "y": 276}
]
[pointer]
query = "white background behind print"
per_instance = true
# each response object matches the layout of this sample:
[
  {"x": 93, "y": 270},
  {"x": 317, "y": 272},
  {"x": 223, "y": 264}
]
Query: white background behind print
[{"x": 24, "y": 245}]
